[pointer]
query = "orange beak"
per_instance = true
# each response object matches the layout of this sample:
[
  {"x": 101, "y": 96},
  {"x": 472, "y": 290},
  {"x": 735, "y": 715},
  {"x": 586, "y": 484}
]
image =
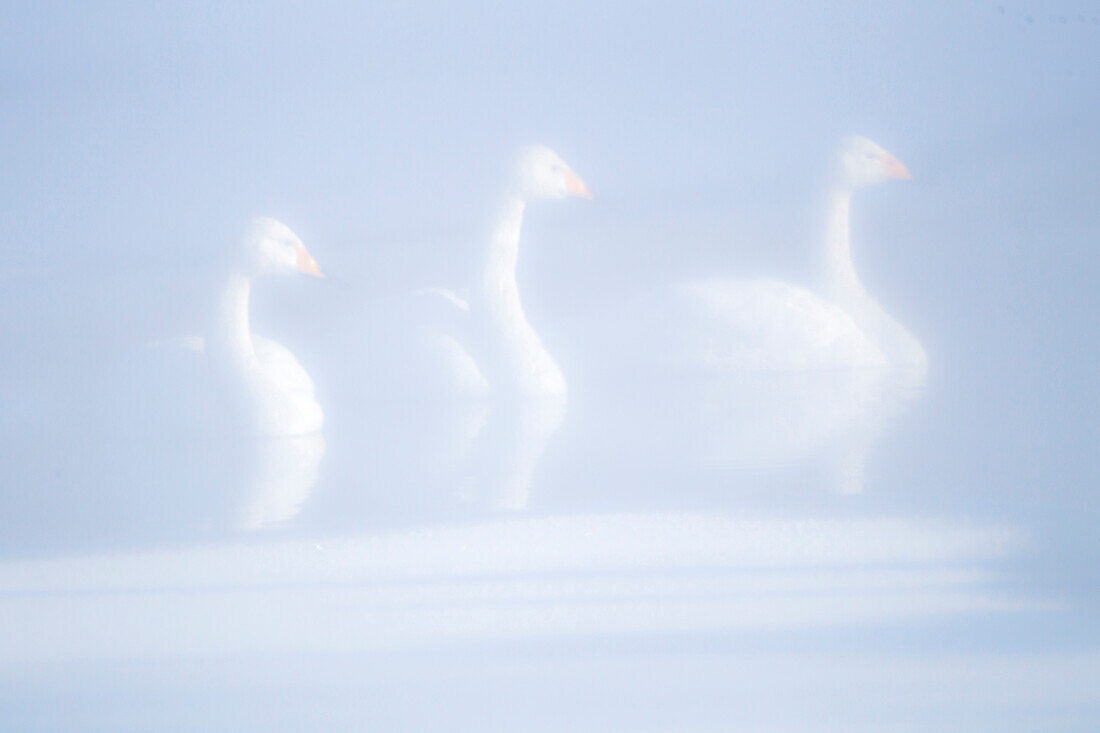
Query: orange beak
[
  {"x": 307, "y": 264},
  {"x": 894, "y": 168},
  {"x": 575, "y": 186}
]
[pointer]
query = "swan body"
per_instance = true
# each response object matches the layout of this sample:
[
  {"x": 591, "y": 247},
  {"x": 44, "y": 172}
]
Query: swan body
[{"x": 275, "y": 389}]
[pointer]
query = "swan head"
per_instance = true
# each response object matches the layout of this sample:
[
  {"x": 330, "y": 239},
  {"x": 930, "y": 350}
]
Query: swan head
[
  {"x": 541, "y": 174},
  {"x": 272, "y": 248},
  {"x": 862, "y": 162}
]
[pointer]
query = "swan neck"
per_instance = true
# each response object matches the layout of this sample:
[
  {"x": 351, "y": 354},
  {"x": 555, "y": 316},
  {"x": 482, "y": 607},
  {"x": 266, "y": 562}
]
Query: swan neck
[
  {"x": 840, "y": 272},
  {"x": 503, "y": 252},
  {"x": 843, "y": 288},
  {"x": 232, "y": 337}
]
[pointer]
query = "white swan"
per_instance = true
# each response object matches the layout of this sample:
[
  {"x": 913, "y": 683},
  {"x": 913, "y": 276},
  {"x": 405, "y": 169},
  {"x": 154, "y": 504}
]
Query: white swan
[
  {"x": 512, "y": 352},
  {"x": 428, "y": 361},
  {"x": 723, "y": 324},
  {"x": 263, "y": 377},
  {"x": 444, "y": 344}
]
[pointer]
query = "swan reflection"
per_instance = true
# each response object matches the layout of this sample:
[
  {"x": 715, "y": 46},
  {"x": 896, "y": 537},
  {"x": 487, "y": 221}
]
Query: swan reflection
[
  {"x": 513, "y": 442},
  {"x": 437, "y": 455},
  {"x": 284, "y": 473},
  {"x": 756, "y": 421}
]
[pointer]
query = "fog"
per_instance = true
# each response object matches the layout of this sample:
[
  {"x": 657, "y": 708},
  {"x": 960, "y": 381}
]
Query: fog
[{"x": 571, "y": 367}]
